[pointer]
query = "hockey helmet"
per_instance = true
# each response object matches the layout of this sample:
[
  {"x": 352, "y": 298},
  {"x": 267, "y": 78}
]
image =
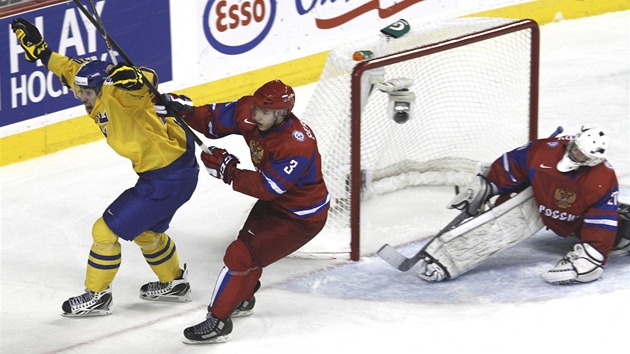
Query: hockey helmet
[
  {"x": 275, "y": 95},
  {"x": 587, "y": 148},
  {"x": 91, "y": 75}
]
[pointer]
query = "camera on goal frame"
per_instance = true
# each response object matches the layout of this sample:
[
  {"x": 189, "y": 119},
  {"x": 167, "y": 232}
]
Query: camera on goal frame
[{"x": 400, "y": 105}]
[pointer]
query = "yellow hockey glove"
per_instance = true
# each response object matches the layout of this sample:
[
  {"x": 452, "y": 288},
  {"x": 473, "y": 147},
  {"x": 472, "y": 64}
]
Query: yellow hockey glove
[
  {"x": 30, "y": 39},
  {"x": 126, "y": 77}
]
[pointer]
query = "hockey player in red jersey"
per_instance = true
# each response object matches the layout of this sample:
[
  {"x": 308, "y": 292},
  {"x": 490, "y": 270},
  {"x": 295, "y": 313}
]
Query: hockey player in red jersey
[
  {"x": 576, "y": 191},
  {"x": 293, "y": 200}
]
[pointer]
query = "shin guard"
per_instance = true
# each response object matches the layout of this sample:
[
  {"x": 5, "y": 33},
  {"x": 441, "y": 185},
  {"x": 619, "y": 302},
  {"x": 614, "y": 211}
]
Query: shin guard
[
  {"x": 105, "y": 258},
  {"x": 160, "y": 253}
]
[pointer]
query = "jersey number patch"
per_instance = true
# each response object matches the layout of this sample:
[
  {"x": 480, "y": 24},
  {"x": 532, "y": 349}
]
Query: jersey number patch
[{"x": 288, "y": 169}]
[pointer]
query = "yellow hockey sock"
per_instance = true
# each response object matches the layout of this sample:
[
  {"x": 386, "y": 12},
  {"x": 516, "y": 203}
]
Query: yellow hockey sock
[
  {"x": 105, "y": 258},
  {"x": 160, "y": 253}
]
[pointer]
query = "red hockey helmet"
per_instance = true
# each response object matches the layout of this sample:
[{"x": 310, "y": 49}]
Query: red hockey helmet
[{"x": 275, "y": 95}]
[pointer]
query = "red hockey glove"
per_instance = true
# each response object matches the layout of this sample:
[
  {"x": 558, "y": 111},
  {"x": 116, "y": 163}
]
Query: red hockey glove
[
  {"x": 220, "y": 164},
  {"x": 171, "y": 104}
]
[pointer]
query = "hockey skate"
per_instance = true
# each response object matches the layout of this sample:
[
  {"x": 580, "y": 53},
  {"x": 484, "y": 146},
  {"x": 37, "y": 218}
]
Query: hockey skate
[
  {"x": 431, "y": 271},
  {"x": 177, "y": 290},
  {"x": 212, "y": 330},
  {"x": 581, "y": 265},
  {"x": 622, "y": 248},
  {"x": 622, "y": 243},
  {"x": 244, "y": 308},
  {"x": 88, "y": 304}
]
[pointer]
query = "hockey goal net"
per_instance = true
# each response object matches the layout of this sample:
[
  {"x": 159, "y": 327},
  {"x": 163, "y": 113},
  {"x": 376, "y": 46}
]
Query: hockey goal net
[{"x": 470, "y": 88}]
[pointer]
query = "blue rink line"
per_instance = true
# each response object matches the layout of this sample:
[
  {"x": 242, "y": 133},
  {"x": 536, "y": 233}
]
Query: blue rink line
[{"x": 511, "y": 276}]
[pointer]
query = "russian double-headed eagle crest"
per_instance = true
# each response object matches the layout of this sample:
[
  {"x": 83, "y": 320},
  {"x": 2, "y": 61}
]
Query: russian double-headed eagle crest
[
  {"x": 564, "y": 197},
  {"x": 256, "y": 150}
]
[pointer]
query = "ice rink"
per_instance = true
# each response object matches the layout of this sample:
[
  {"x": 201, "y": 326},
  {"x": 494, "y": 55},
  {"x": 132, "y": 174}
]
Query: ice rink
[{"x": 48, "y": 206}]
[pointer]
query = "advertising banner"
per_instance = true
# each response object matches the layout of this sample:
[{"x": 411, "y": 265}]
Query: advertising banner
[{"x": 28, "y": 90}]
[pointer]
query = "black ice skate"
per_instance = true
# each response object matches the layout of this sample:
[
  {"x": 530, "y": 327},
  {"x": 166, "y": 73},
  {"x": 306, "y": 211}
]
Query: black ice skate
[
  {"x": 212, "y": 330},
  {"x": 177, "y": 290},
  {"x": 244, "y": 308},
  {"x": 88, "y": 304}
]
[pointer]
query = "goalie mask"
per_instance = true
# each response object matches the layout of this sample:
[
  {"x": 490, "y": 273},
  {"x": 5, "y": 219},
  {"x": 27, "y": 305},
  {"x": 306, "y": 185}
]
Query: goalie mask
[
  {"x": 90, "y": 75},
  {"x": 587, "y": 148}
]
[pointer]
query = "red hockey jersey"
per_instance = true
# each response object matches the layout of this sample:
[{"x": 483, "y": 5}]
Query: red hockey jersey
[
  {"x": 583, "y": 202},
  {"x": 287, "y": 160}
]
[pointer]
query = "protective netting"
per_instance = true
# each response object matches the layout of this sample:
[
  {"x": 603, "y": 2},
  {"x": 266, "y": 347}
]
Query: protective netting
[{"x": 472, "y": 103}]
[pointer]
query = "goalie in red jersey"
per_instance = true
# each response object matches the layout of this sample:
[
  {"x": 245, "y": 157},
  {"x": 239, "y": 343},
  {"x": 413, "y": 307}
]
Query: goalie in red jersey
[
  {"x": 293, "y": 200},
  {"x": 576, "y": 191}
]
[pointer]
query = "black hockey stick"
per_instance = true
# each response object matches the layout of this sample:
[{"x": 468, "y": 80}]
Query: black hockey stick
[
  {"x": 152, "y": 88},
  {"x": 402, "y": 263},
  {"x": 105, "y": 38}
]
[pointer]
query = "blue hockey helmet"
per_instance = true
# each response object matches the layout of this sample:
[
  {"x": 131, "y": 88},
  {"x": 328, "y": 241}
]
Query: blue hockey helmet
[{"x": 91, "y": 75}]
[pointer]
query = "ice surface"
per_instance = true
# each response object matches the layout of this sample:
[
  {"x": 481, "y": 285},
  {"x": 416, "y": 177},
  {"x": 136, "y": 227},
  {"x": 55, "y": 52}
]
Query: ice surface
[{"x": 319, "y": 306}]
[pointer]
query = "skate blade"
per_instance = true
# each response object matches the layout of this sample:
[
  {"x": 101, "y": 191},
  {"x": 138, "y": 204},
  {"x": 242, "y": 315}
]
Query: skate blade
[
  {"x": 181, "y": 298},
  {"x": 245, "y": 313},
  {"x": 219, "y": 339},
  {"x": 89, "y": 314}
]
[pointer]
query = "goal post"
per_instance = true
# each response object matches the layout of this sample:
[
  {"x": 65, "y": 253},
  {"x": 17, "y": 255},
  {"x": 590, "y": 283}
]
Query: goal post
[{"x": 468, "y": 88}]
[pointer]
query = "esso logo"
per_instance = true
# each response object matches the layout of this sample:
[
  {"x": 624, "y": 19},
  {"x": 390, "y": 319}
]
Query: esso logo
[{"x": 237, "y": 26}]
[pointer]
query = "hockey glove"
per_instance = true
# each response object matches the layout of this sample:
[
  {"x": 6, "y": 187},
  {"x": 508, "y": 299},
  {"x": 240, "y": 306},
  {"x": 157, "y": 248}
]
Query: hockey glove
[
  {"x": 30, "y": 39},
  {"x": 220, "y": 164},
  {"x": 128, "y": 78},
  {"x": 172, "y": 104},
  {"x": 474, "y": 196}
]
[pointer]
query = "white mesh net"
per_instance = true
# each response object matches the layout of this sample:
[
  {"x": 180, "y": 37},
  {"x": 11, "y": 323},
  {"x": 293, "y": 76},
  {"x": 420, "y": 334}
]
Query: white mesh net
[{"x": 472, "y": 103}]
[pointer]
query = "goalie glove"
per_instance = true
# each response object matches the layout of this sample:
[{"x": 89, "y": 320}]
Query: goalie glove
[
  {"x": 474, "y": 195},
  {"x": 30, "y": 39},
  {"x": 172, "y": 104},
  {"x": 128, "y": 78},
  {"x": 220, "y": 164}
]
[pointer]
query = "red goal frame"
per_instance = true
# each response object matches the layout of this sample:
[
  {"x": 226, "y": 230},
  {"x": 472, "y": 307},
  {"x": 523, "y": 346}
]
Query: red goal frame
[{"x": 359, "y": 69}]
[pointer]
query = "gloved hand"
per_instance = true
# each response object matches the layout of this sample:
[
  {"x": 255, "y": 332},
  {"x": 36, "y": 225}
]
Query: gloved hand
[
  {"x": 220, "y": 164},
  {"x": 474, "y": 196},
  {"x": 30, "y": 39},
  {"x": 172, "y": 104},
  {"x": 128, "y": 78}
]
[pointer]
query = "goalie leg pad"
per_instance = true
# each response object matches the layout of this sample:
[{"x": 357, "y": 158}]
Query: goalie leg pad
[
  {"x": 473, "y": 242},
  {"x": 582, "y": 265}
]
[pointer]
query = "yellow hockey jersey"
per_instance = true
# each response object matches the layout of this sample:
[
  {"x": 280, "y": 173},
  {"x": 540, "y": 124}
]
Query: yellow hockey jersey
[{"x": 128, "y": 120}]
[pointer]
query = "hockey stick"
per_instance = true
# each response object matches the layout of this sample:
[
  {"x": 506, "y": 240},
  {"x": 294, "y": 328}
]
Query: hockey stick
[
  {"x": 149, "y": 85},
  {"x": 100, "y": 23},
  {"x": 402, "y": 263}
]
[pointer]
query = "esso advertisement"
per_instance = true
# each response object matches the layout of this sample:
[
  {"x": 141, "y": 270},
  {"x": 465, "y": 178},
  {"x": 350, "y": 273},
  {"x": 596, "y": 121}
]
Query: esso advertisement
[
  {"x": 245, "y": 35},
  {"x": 29, "y": 90},
  {"x": 235, "y": 27}
]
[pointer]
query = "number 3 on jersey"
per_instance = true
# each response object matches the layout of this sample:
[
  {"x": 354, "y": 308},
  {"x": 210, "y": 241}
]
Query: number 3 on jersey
[{"x": 292, "y": 164}]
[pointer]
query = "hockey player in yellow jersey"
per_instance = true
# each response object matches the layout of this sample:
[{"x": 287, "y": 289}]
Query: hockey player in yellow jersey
[{"x": 161, "y": 153}]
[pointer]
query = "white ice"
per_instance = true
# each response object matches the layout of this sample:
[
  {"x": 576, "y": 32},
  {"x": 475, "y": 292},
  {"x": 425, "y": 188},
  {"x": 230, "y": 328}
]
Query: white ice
[{"x": 319, "y": 306}]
